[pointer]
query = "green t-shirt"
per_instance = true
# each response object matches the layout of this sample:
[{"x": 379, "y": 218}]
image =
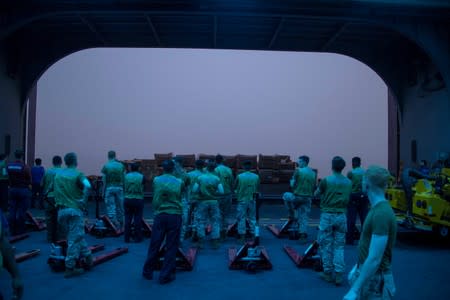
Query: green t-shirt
[
  {"x": 167, "y": 194},
  {"x": 335, "y": 190},
  {"x": 48, "y": 182},
  {"x": 3, "y": 171},
  {"x": 134, "y": 185},
  {"x": 208, "y": 184},
  {"x": 305, "y": 181},
  {"x": 247, "y": 185},
  {"x": 380, "y": 220},
  {"x": 226, "y": 178},
  {"x": 356, "y": 176},
  {"x": 68, "y": 188},
  {"x": 114, "y": 173},
  {"x": 193, "y": 178}
]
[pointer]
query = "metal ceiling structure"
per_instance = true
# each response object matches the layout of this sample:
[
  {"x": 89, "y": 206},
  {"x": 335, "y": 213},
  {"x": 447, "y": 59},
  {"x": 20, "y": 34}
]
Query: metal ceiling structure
[{"x": 381, "y": 34}]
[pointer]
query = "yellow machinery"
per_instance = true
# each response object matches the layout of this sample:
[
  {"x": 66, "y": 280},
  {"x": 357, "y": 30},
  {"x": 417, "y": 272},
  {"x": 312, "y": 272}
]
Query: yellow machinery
[{"x": 431, "y": 204}]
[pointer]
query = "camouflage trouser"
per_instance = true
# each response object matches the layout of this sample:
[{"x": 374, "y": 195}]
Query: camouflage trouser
[
  {"x": 225, "y": 209},
  {"x": 193, "y": 216},
  {"x": 184, "y": 217},
  {"x": 51, "y": 220},
  {"x": 205, "y": 209},
  {"x": 246, "y": 210},
  {"x": 114, "y": 205},
  {"x": 380, "y": 286},
  {"x": 331, "y": 240},
  {"x": 71, "y": 223},
  {"x": 298, "y": 209}
]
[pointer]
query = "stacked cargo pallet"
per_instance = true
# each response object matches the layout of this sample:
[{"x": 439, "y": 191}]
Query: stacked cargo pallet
[
  {"x": 240, "y": 159},
  {"x": 286, "y": 168},
  {"x": 206, "y": 157},
  {"x": 150, "y": 170},
  {"x": 188, "y": 161},
  {"x": 230, "y": 161},
  {"x": 267, "y": 166},
  {"x": 272, "y": 169}
]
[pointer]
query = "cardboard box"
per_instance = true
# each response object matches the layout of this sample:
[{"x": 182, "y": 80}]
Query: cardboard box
[{"x": 161, "y": 157}]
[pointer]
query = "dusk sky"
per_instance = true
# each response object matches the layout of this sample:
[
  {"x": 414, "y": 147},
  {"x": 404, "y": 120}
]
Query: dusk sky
[{"x": 145, "y": 101}]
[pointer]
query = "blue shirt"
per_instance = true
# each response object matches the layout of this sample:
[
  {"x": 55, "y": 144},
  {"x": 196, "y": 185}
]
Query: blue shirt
[{"x": 37, "y": 173}]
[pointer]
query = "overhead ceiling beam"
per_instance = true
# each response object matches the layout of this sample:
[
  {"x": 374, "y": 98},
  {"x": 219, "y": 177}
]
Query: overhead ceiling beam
[
  {"x": 153, "y": 29},
  {"x": 93, "y": 29},
  {"x": 334, "y": 37},
  {"x": 215, "y": 33},
  {"x": 275, "y": 34}
]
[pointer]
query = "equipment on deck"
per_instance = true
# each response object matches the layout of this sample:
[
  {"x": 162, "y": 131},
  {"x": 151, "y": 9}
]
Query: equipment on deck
[
  {"x": 232, "y": 230},
  {"x": 184, "y": 261},
  {"x": 309, "y": 259},
  {"x": 249, "y": 257},
  {"x": 430, "y": 205},
  {"x": 19, "y": 237},
  {"x": 34, "y": 224},
  {"x": 289, "y": 229},
  {"x": 56, "y": 260},
  {"x": 23, "y": 256},
  {"x": 103, "y": 227}
]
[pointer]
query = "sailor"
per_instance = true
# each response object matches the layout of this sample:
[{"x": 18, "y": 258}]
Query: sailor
[
  {"x": 247, "y": 184},
  {"x": 226, "y": 179},
  {"x": 51, "y": 213},
  {"x": 298, "y": 203},
  {"x": 335, "y": 193},
  {"x": 209, "y": 190},
  {"x": 167, "y": 209},
  {"x": 371, "y": 277},
  {"x": 358, "y": 204},
  {"x": 113, "y": 176},
  {"x": 71, "y": 191}
]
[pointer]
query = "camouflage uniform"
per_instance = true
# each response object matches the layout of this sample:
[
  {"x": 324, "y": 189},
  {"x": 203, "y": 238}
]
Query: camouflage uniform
[
  {"x": 380, "y": 286},
  {"x": 208, "y": 205},
  {"x": 180, "y": 173},
  {"x": 71, "y": 221},
  {"x": 380, "y": 221},
  {"x": 114, "y": 177},
  {"x": 193, "y": 197},
  {"x": 247, "y": 186},
  {"x": 335, "y": 190},
  {"x": 70, "y": 200},
  {"x": 51, "y": 212},
  {"x": 226, "y": 178},
  {"x": 298, "y": 203}
]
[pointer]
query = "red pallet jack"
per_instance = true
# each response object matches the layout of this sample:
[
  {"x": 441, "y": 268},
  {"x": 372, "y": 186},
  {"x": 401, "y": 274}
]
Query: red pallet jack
[
  {"x": 232, "y": 230},
  {"x": 103, "y": 227},
  {"x": 23, "y": 256},
  {"x": 33, "y": 223},
  {"x": 309, "y": 259},
  {"x": 285, "y": 230},
  {"x": 19, "y": 237},
  {"x": 249, "y": 257},
  {"x": 56, "y": 261},
  {"x": 184, "y": 261}
]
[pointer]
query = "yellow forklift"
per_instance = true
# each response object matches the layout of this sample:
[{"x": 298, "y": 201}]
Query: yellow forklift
[{"x": 431, "y": 204}]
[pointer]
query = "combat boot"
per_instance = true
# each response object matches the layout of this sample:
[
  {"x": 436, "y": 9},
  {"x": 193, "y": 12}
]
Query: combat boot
[
  {"x": 215, "y": 244},
  {"x": 339, "y": 279},
  {"x": 326, "y": 276},
  {"x": 72, "y": 272}
]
